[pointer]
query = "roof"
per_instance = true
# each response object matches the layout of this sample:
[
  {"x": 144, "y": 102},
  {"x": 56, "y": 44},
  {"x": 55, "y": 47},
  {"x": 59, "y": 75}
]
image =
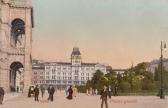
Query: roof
[
  {"x": 90, "y": 64},
  {"x": 38, "y": 67},
  {"x": 59, "y": 63},
  {"x": 75, "y": 51},
  {"x": 63, "y": 63}
]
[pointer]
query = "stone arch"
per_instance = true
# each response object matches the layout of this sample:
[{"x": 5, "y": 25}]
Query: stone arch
[
  {"x": 17, "y": 31},
  {"x": 19, "y": 18},
  {"x": 16, "y": 75}
]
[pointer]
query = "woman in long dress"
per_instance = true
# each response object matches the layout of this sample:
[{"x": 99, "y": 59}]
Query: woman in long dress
[
  {"x": 70, "y": 92},
  {"x": 74, "y": 91}
]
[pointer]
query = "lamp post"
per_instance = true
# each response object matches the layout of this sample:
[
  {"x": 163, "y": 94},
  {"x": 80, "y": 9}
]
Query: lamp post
[{"x": 161, "y": 78}]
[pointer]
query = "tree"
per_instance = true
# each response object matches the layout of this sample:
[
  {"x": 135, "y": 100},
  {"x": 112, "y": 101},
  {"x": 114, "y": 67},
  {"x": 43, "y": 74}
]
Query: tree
[
  {"x": 140, "y": 69},
  {"x": 130, "y": 74},
  {"x": 111, "y": 76},
  {"x": 157, "y": 77},
  {"x": 137, "y": 82},
  {"x": 98, "y": 80},
  {"x": 125, "y": 86}
]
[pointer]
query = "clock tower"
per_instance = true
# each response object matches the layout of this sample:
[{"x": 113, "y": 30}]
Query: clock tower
[
  {"x": 76, "y": 59},
  {"x": 16, "y": 23}
]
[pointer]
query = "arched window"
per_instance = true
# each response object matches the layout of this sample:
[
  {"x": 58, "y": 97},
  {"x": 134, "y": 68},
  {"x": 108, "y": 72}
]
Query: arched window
[{"x": 17, "y": 30}]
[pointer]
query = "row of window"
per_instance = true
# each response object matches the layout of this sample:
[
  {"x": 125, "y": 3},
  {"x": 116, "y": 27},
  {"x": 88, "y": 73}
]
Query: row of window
[
  {"x": 59, "y": 82},
  {"x": 40, "y": 77},
  {"x": 41, "y": 82},
  {"x": 67, "y": 78},
  {"x": 67, "y": 68},
  {"x": 41, "y": 73},
  {"x": 69, "y": 73},
  {"x": 64, "y": 82}
]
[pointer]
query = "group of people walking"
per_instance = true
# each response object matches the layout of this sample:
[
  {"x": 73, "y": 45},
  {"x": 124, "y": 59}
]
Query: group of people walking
[
  {"x": 91, "y": 91},
  {"x": 71, "y": 92},
  {"x": 51, "y": 91},
  {"x": 105, "y": 93}
]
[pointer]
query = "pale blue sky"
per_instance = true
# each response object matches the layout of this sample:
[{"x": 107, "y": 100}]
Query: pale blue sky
[{"x": 116, "y": 32}]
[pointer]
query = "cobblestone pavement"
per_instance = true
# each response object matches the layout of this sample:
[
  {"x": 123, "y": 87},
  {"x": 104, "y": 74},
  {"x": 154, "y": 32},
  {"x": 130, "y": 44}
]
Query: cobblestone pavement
[{"x": 84, "y": 101}]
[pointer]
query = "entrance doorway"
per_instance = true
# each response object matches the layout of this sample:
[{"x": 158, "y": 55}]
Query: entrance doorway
[{"x": 16, "y": 77}]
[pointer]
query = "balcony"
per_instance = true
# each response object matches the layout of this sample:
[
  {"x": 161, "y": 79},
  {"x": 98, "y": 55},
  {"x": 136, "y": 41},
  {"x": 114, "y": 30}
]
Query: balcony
[
  {"x": 20, "y": 3},
  {"x": 17, "y": 51}
]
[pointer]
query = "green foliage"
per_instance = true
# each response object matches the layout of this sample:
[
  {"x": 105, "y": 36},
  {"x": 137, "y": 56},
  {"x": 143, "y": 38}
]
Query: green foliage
[
  {"x": 98, "y": 80},
  {"x": 125, "y": 86},
  {"x": 137, "y": 82},
  {"x": 147, "y": 84},
  {"x": 136, "y": 79},
  {"x": 82, "y": 89},
  {"x": 157, "y": 77}
]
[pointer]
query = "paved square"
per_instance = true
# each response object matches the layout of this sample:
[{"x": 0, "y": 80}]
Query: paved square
[{"x": 84, "y": 101}]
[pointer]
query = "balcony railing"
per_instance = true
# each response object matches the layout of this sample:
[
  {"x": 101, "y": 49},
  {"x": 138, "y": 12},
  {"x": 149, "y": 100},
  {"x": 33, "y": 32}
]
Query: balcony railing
[
  {"x": 20, "y": 3},
  {"x": 17, "y": 51}
]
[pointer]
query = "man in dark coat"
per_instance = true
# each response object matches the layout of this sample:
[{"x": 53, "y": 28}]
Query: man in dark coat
[
  {"x": 42, "y": 91},
  {"x": 49, "y": 89},
  {"x": 36, "y": 93},
  {"x": 116, "y": 91},
  {"x": 70, "y": 92},
  {"x": 2, "y": 93},
  {"x": 104, "y": 94},
  {"x": 52, "y": 91},
  {"x": 110, "y": 91}
]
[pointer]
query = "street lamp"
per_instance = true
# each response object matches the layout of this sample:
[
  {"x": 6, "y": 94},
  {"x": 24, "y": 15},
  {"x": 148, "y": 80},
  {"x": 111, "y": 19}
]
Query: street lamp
[{"x": 161, "y": 78}]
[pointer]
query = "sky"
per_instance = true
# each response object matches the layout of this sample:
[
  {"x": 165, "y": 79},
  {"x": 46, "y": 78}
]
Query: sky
[{"x": 115, "y": 32}]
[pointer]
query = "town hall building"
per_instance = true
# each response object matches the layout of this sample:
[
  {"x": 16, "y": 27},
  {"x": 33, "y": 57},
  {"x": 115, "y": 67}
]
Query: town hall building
[{"x": 62, "y": 74}]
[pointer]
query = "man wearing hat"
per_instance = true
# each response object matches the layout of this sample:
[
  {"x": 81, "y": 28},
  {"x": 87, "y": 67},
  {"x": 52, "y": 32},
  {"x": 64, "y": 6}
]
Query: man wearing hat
[{"x": 104, "y": 94}]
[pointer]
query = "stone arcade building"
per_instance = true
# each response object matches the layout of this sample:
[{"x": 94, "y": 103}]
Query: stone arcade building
[{"x": 16, "y": 23}]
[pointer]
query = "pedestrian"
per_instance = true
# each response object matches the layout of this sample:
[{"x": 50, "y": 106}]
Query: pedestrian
[
  {"x": 2, "y": 93},
  {"x": 104, "y": 94},
  {"x": 36, "y": 93},
  {"x": 70, "y": 92},
  {"x": 21, "y": 89},
  {"x": 74, "y": 91},
  {"x": 87, "y": 92},
  {"x": 52, "y": 91},
  {"x": 96, "y": 92},
  {"x": 110, "y": 91},
  {"x": 17, "y": 89},
  {"x": 116, "y": 91},
  {"x": 42, "y": 91},
  {"x": 66, "y": 91},
  {"x": 49, "y": 89},
  {"x": 91, "y": 91}
]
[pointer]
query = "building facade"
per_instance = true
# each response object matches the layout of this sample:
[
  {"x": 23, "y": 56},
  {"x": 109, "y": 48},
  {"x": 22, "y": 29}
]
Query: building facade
[
  {"x": 62, "y": 74},
  {"x": 16, "y": 23},
  {"x": 120, "y": 71},
  {"x": 76, "y": 72},
  {"x": 151, "y": 66},
  {"x": 38, "y": 76}
]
